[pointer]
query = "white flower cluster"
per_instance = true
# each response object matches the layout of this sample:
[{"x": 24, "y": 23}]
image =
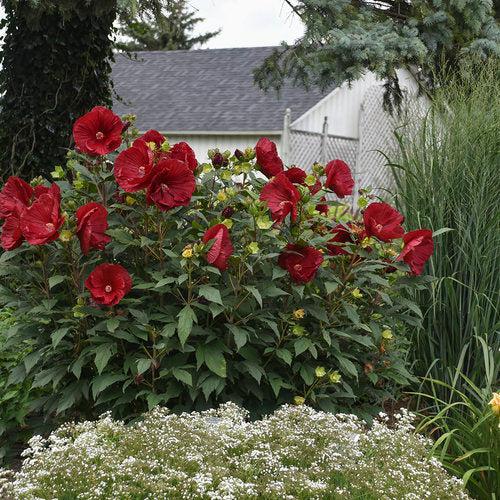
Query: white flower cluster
[{"x": 296, "y": 452}]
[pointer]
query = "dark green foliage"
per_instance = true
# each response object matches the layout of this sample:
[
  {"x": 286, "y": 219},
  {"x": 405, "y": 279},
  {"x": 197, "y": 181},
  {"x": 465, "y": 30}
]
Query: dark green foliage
[
  {"x": 55, "y": 66},
  {"x": 169, "y": 28},
  {"x": 189, "y": 336},
  {"x": 344, "y": 39}
]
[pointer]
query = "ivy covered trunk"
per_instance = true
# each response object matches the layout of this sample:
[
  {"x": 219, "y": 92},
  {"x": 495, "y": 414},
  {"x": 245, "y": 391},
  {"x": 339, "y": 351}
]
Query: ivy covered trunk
[{"x": 55, "y": 66}]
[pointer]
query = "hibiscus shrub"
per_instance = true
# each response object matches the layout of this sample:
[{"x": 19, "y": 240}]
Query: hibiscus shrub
[{"x": 143, "y": 277}]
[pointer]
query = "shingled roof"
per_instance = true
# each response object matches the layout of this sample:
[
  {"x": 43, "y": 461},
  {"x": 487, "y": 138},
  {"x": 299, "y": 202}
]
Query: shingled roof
[{"x": 204, "y": 90}]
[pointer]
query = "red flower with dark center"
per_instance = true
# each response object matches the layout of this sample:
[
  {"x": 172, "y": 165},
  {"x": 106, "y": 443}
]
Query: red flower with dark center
[
  {"x": 282, "y": 198},
  {"x": 108, "y": 284},
  {"x": 182, "y": 151},
  {"x": 222, "y": 248},
  {"x": 16, "y": 193},
  {"x": 11, "y": 236},
  {"x": 418, "y": 247},
  {"x": 383, "y": 221},
  {"x": 153, "y": 136},
  {"x": 98, "y": 132},
  {"x": 172, "y": 185},
  {"x": 322, "y": 208},
  {"x": 41, "y": 222},
  {"x": 341, "y": 234},
  {"x": 339, "y": 178},
  {"x": 133, "y": 167},
  {"x": 301, "y": 262},
  {"x": 296, "y": 175},
  {"x": 92, "y": 223},
  {"x": 267, "y": 157}
]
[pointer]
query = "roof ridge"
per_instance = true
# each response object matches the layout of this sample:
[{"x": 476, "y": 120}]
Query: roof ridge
[{"x": 197, "y": 50}]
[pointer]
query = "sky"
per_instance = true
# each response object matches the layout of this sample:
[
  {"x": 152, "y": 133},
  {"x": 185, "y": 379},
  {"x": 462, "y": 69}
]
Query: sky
[{"x": 247, "y": 23}]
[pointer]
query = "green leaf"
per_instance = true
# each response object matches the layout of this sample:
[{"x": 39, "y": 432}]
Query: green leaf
[
  {"x": 210, "y": 293},
  {"x": 330, "y": 286},
  {"x": 347, "y": 366},
  {"x": 271, "y": 290},
  {"x": 31, "y": 360},
  {"x": 441, "y": 231},
  {"x": 301, "y": 345},
  {"x": 58, "y": 335},
  {"x": 240, "y": 335},
  {"x": 182, "y": 376},
  {"x": 112, "y": 324},
  {"x": 143, "y": 365},
  {"x": 55, "y": 280},
  {"x": 276, "y": 384},
  {"x": 253, "y": 290},
  {"x": 103, "y": 354},
  {"x": 165, "y": 281},
  {"x": 278, "y": 273},
  {"x": 285, "y": 355},
  {"x": 351, "y": 312},
  {"x": 185, "y": 324},
  {"x": 214, "y": 359},
  {"x": 102, "y": 382}
]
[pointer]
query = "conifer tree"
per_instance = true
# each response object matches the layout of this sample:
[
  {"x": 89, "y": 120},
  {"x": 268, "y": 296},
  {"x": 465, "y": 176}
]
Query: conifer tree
[
  {"x": 169, "y": 29},
  {"x": 345, "y": 38}
]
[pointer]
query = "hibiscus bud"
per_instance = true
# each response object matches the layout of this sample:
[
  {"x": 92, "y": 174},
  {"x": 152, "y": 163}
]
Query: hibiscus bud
[
  {"x": 126, "y": 125},
  {"x": 218, "y": 160},
  {"x": 376, "y": 316},
  {"x": 129, "y": 200},
  {"x": 335, "y": 377},
  {"x": 58, "y": 173},
  {"x": 228, "y": 223},
  {"x": 264, "y": 222},
  {"x": 226, "y": 175},
  {"x": 320, "y": 371},
  {"x": 368, "y": 368},
  {"x": 187, "y": 253},
  {"x": 227, "y": 212},
  {"x": 298, "y": 400},
  {"x": 138, "y": 379},
  {"x": 165, "y": 146},
  {"x": 298, "y": 330},
  {"x": 495, "y": 403},
  {"x": 387, "y": 334},
  {"x": 318, "y": 169},
  {"x": 250, "y": 153},
  {"x": 221, "y": 195},
  {"x": 299, "y": 313},
  {"x": 239, "y": 154},
  {"x": 65, "y": 236},
  {"x": 253, "y": 248},
  {"x": 246, "y": 168},
  {"x": 356, "y": 293}
]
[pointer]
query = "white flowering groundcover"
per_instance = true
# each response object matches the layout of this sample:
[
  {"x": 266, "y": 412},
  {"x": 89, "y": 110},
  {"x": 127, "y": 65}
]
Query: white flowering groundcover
[{"x": 296, "y": 452}]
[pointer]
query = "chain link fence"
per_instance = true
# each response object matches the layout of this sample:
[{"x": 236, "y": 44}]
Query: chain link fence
[{"x": 364, "y": 156}]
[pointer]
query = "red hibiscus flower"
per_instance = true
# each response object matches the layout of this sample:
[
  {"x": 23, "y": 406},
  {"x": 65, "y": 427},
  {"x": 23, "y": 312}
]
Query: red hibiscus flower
[
  {"x": 222, "y": 248},
  {"x": 296, "y": 175},
  {"x": 98, "y": 132},
  {"x": 108, "y": 284},
  {"x": 41, "y": 222},
  {"x": 133, "y": 167},
  {"x": 267, "y": 157},
  {"x": 281, "y": 197},
  {"x": 172, "y": 185},
  {"x": 341, "y": 234},
  {"x": 92, "y": 223},
  {"x": 39, "y": 190},
  {"x": 182, "y": 151},
  {"x": 339, "y": 178},
  {"x": 301, "y": 262},
  {"x": 153, "y": 136},
  {"x": 16, "y": 193},
  {"x": 418, "y": 247},
  {"x": 383, "y": 222},
  {"x": 11, "y": 236}
]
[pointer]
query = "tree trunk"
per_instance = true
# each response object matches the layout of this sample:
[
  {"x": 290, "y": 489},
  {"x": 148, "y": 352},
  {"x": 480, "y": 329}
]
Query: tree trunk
[{"x": 55, "y": 66}]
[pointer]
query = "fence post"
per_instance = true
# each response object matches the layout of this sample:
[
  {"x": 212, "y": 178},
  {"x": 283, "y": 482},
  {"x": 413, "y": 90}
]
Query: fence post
[
  {"x": 285, "y": 137},
  {"x": 324, "y": 139}
]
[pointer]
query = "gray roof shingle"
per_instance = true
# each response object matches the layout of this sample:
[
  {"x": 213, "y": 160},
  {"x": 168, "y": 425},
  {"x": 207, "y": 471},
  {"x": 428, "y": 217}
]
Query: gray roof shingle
[{"x": 204, "y": 90}]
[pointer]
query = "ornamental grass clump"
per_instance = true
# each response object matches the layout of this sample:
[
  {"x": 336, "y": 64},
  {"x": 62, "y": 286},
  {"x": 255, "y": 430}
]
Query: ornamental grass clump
[
  {"x": 142, "y": 277},
  {"x": 295, "y": 453}
]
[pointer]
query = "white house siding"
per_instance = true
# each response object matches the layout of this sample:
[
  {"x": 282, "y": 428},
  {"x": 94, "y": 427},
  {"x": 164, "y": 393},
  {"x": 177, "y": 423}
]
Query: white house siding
[
  {"x": 202, "y": 142},
  {"x": 343, "y": 106}
]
